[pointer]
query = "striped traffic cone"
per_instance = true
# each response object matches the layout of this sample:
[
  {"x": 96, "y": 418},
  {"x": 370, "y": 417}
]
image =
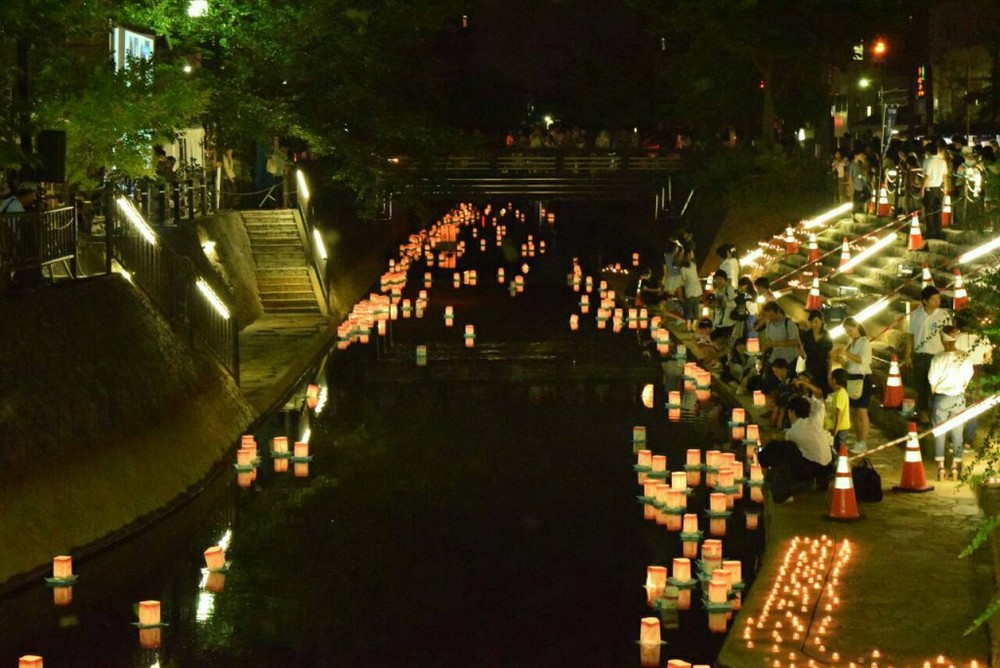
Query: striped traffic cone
[
  {"x": 893, "y": 396},
  {"x": 961, "y": 296},
  {"x": 883, "y": 209},
  {"x": 791, "y": 243},
  {"x": 946, "y": 211},
  {"x": 916, "y": 238},
  {"x": 843, "y": 503},
  {"x": 845, "y": 256},
  {"x": 913, "y": 478},
  {"x": 925, "y": 277},
  {"x": 813, "y": 248},
  {"x": 815, "y": 300}
]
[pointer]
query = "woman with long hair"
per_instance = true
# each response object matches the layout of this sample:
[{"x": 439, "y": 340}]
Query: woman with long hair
[{"x": 857, "y": 359}]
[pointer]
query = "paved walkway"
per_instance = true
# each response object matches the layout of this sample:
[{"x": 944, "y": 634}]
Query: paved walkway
[
  {"x": 903, "y": 595},
  {"x": 275, "y": 350}
]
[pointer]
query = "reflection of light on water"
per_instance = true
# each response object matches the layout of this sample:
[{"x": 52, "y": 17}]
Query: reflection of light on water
[
  {"x": 224, "y": 541},
  {"x": 156, "y": 664},
  {"x": 305, "y": 435},
  {"x": 206, "y": 602},
  {"x": 321, "y": 400}
]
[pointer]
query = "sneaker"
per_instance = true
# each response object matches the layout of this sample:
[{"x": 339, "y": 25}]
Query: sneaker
[{"x": 858, "y": 448}]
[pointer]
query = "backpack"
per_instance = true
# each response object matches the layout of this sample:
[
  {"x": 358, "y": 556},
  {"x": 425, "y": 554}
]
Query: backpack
[{"x": 867, "y": 482}]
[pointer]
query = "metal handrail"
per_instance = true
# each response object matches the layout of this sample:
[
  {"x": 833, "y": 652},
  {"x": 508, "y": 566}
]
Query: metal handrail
[
  {"x": 169, "y": 279},
  {"x": 33, "y": 238},
  {"x": 561, "y": 164}
]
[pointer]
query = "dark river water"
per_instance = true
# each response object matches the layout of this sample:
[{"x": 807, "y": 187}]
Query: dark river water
[{"x": 480, "y": 511}]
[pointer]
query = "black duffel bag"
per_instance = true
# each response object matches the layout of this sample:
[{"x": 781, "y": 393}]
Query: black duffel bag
[{"x": 867, "y": 482}]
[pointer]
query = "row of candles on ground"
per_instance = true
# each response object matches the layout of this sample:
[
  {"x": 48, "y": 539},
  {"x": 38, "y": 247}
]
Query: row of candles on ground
[
  {"x": 247, "y": 458},
  {"x": 150, "y": 622}
]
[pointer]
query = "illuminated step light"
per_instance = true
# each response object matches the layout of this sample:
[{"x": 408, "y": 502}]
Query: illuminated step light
[
  {"x": 213, "y": 298},
  {"x": 829, "y": 215},
  {"x": 863, "y": 315},
  {"x": 867, "y": 253},
  {"x": 319, "y": 244},
  {"x": 980, "y": 251},
  {"x": 303, "y": 188},
  {"x": 136, "y": 219}
]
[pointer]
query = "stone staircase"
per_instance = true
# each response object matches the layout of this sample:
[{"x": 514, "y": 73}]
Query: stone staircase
[
  {"x": 894, "y": 272},
  {"x": 286, "y": 280}
]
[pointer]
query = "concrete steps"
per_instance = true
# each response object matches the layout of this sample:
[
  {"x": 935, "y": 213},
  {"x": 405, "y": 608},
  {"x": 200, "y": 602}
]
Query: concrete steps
[{"x": 280, "y": 252}]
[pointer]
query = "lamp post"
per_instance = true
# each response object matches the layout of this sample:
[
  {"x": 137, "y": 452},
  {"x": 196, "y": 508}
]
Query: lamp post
[{"x": 879, "y": 51}]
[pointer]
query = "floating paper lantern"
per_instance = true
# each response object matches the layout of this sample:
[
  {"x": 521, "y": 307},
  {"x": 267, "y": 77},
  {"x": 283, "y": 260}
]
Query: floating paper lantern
[
  {"x": 584, "y": 304},
  {"x": 449, "y": 316},
  {"x": 647, "y": 395},
  {"x": 301, "y": 467},
  {"x": 633, "y": 318},
  {"x": 244, "y": 458},
  {"x": 638, "y": 434},
  {"x": 519, "y": 284},
  {"x": 711, "y": 549},
  {"x": 312, "y": 395},
  {"x": 649, "y": 491},
  {"x": 574, "y": 322},
  {"x": 678, "y": 481},
  {"x": 62, "y": 567},
  {"x": 421, "y": 355},
  {"x": 753, "y": 433},
  {"x": 500, "y": 278},
  {"x": 739, "y": 416},
  {"x": 427, "y": 280},
  {"x": 149, "y": 613},
  {"x": 753, "y": 345},
  {"x": 470, "y": 336},
  {"x": 753, "y": 520},
  {"x": 280, "y": 465},
  {"x": 676, "y": 503},
  {"x": 29, "y": 661},
  {"x": 381, "y": 327},
  {"x": 215, "y": 558},
  {"x": 681, "y": 352},
  {"x": 656, "y": 581},
  {"x": 660, "y": 494},
  {"x": 738, "y": 432},
  {"x": 649, "y": 656},
  {"x": 682, "y": 569},
  {"x": 758, "y": 398},
  {"x": 693, "y": 467},
  {"x": 649, "y": 631},
  {"x": 674, "y": 399},
  {"x": 659, "y": 464},
  {"x": 244, "y": 479},
  {"x": 690, "y": 523},
  {"x": 674, "y": 414}
]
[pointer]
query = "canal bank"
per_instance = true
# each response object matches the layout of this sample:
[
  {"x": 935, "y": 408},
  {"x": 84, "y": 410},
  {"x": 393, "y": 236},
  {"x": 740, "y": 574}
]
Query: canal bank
[{"x": 901, "y": 596}]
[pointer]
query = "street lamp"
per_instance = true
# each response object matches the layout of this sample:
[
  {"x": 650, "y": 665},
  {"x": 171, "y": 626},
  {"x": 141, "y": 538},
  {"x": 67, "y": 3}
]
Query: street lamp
[{"x": 864, "y": 83}]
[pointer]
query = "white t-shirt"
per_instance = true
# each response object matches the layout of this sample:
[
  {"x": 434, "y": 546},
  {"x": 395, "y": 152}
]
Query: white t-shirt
[
  {"x": 861, "y": 347},
  {"x": 732, "y": 268},
  {"x": 926, "y": 329},
  {"x": 692, "y": 284},
  {"x": 724, "y": 302},
  {"x": 815, "y": 443},
  {"x": 978, "y": 347},
  {"x": 950, "y": 373},
  {"x": 935, "y": 169}
]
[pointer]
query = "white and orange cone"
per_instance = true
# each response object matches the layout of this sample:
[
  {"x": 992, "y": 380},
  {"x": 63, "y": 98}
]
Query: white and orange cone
[
  {"x": 843, "y": 503},
  {"x": 883, "y": 208},
  {"x": 916, "y": 238},
  {"x": 913, "y": 478},
  {"x": 845, "y": 256},
  {"x": 791, "y": 243},
  {"x": 893, "y": 396},
  {"x": 814, "y": 253},
  {"x": 925, "y": 277},
  {"x": 961, "y": 296},
  {"x": 815, "y": 300},
  {"x": 946, "y": 211}
]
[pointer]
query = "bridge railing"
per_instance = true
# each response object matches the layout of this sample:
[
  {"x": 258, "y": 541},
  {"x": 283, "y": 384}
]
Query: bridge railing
[
  {"x": 548, "y": 164},
  {"x": 34, "y": 239}
]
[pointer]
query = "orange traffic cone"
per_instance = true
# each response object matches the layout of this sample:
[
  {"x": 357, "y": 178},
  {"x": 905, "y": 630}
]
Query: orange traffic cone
[
  {"x": 813, "y": 248},
  {"x": 916, "y": 239},
  {"x": 791, "y": 243},
  {"x": 883, "y": 209},
  {"x": 961, "y": 296},
  {"x": 815, "y": 300},
  {"x": 845, "y": 256},
  {"x": 913, "y": 478},
  {"x": 946, "y": 211},
  {"x": 843, "y": 504},
  {"x": 925, "y": 277},
  {"x": 893, "y": 397}
]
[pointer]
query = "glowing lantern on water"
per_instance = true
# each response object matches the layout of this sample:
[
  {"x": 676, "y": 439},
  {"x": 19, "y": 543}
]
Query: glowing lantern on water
[
  {"x": 678, "y": 481},
  {"x": 738, "y": 432},
  {"x": 638, "y": 434},
  {"x": 753, "y": 520},
  {"x": 674, "y": 414},
  {"x": 739, "y": 416},
  {"x": 244, "y": 458},
  {"x": 676, "y": 503},
  {"x": 659, "y": 463},
  {"x": 29, "y": 661},
  {"x": 711, "y": 549},
  {"x": 647, "y": 395},
  {"x": 244, "y": 479},
  {"x": 449, "y": 316},
  {"x": 649, "y": 631},
  {"x": 660, "y": 494},
  {"x": 758, "y": 398},
  {"x": 633, "y": 318},
  {"x": 280, "y": 465},
  {"x": 648, "y": 491},
  {"x": 649, "y": 656},
  {"x": 407, "y": 309},
  {"x": 149, "y": 613},
  {"x": 519, "y": 284},
  {"x": 678, "y": 663},
  {"x": 62, "y": 567},
  {"x": 656, "y": 580},
  {"x": 712, "y": 460},
  {"x": 427, "y": 279},
  {"x": 457, "y": 280},
  {"x": 635, "y": 259},
  {"x": 421, "y": 355},
  {"x": 381, "y": 328},
  {"x": 693, "y": 467},
  {"x": 753, "y": 345},
  {"x": 585, "y": 304},
  {"x": 500, "y": 278},
  {"x": 574, "y": 322},
  {"x": 753, "y": 433},
  {"x": 756, "y": 483},
  {"x": 717, "y": 502},
  {"x": 674, "y": 398},
  {"x": 215, "y": 558},
  {"x": 682, "y": 569}
]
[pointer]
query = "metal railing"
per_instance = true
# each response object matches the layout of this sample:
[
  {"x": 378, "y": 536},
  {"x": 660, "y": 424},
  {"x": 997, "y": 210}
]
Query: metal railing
[
  {"x": 171, "y": 282},
  {"x": 173, "y": 202},
  {"x": 559, "y": 164},
  {"x": 35, "y": 239}
]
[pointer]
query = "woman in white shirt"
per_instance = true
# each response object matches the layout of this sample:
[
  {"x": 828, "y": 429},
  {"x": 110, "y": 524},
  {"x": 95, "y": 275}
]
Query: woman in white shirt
[
  {"x": 692, "y": 292},
  {"x": 857, "y": 360},
  {"x": 730, "y": 263}
]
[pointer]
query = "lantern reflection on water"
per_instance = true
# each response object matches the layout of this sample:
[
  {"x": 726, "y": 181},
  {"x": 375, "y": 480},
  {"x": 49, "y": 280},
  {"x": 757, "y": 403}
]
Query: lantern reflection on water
[{"x": 29, "y": 661}]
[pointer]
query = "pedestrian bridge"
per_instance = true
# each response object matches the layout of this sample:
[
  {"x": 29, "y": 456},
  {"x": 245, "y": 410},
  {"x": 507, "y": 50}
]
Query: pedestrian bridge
[{"x": 588, "y": 177}]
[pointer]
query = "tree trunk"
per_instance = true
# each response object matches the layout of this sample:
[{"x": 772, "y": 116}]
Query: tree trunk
[{"x": 767, "y": 113}]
